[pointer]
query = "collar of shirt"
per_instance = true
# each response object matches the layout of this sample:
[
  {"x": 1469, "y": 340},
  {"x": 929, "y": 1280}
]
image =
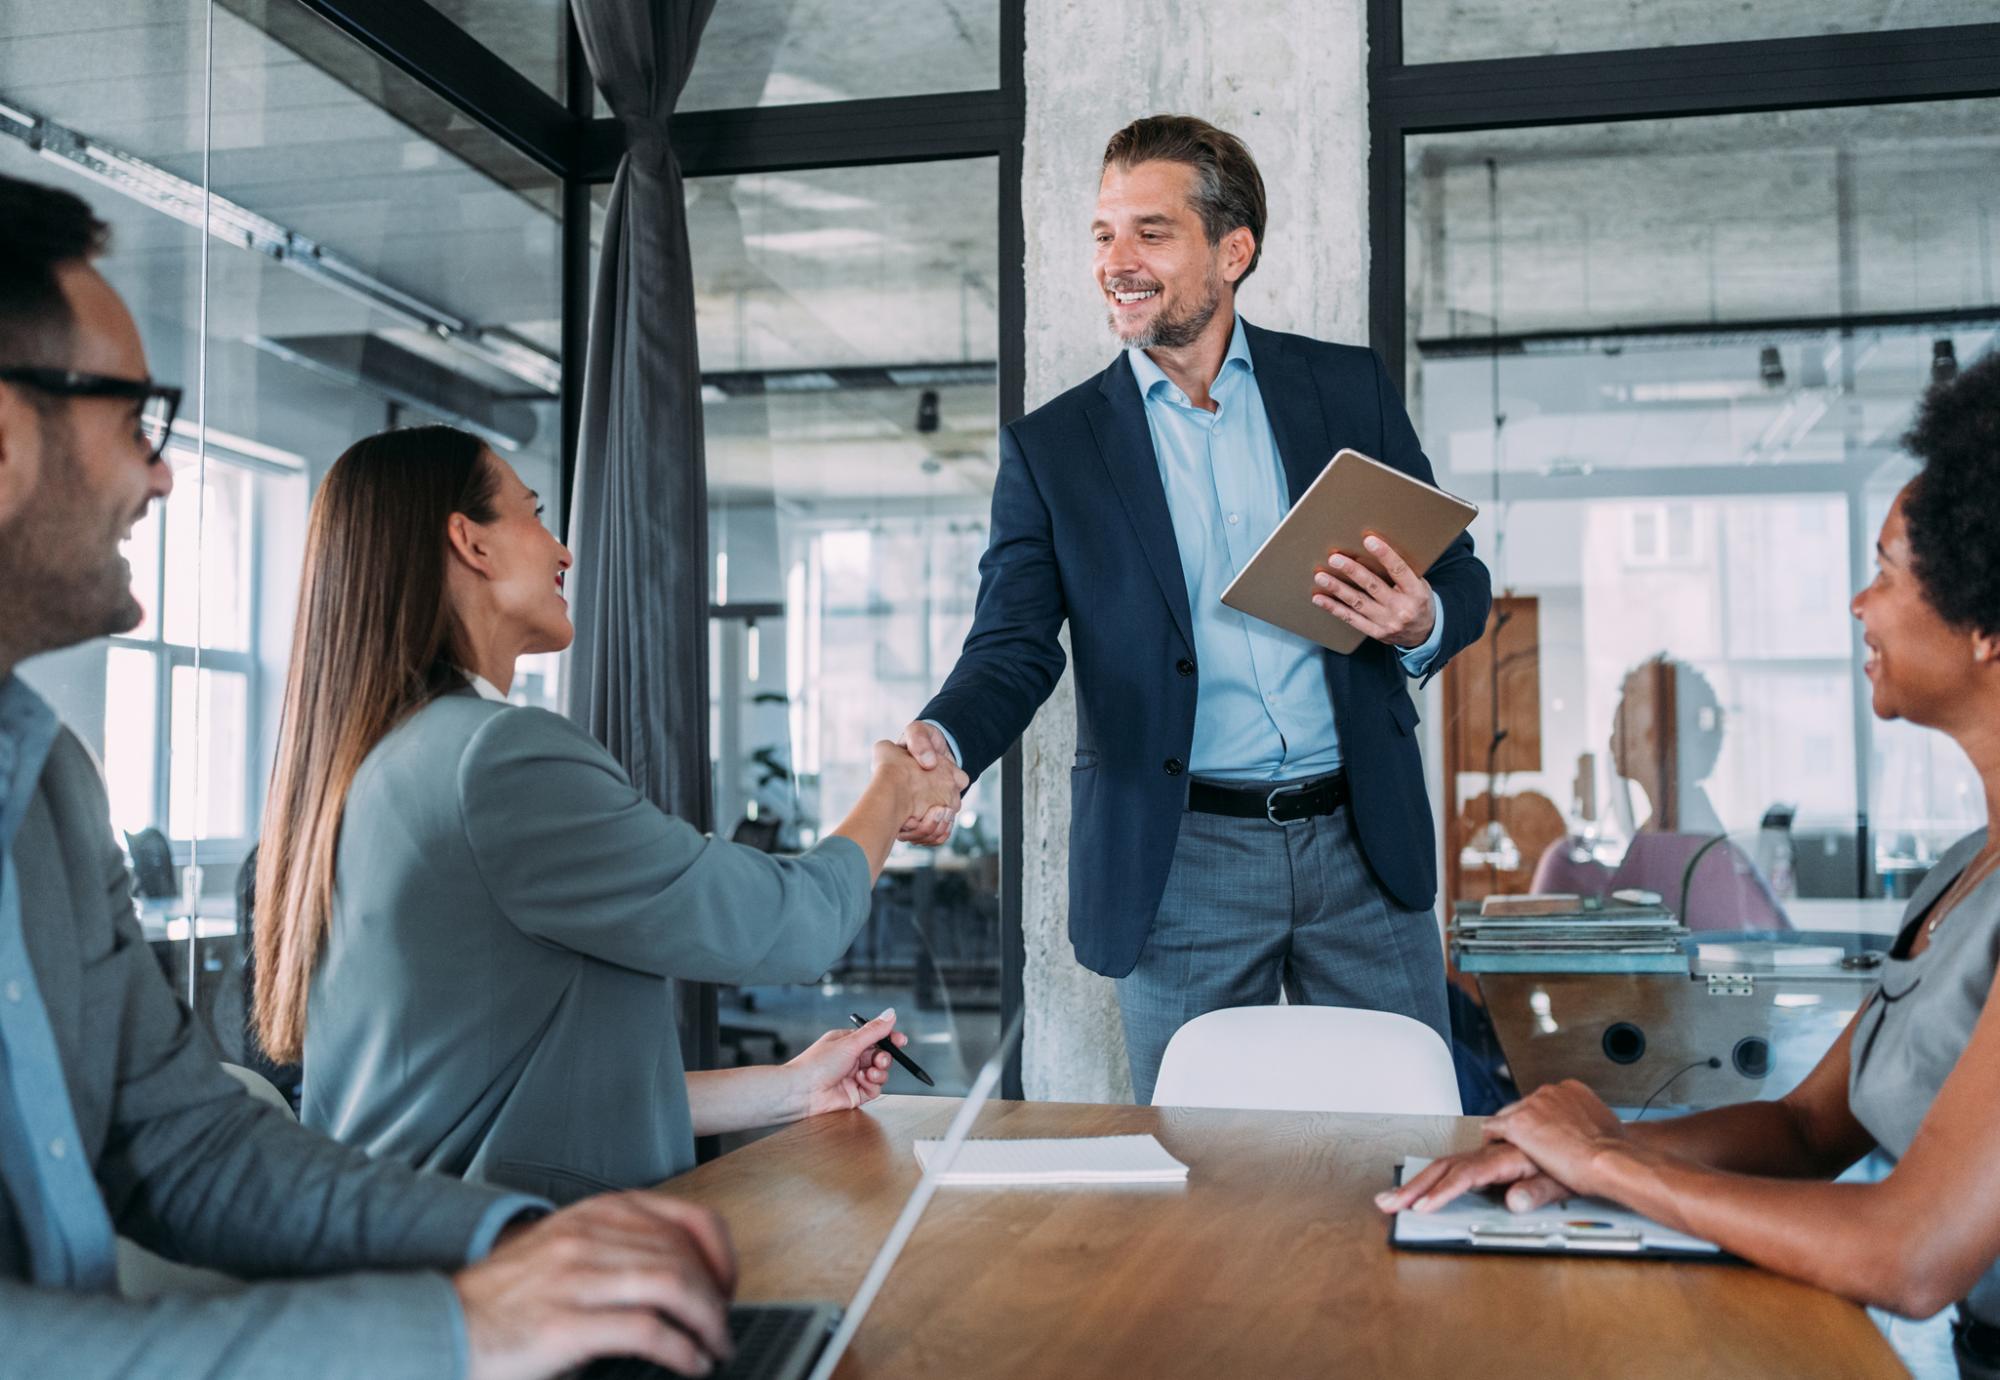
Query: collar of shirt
[
  {"x": 1235, "y": 361},
  {"x": 482, "y": 686},
  {"x": 28, "y": 729},
  {"x": 58, "y": 1209}
]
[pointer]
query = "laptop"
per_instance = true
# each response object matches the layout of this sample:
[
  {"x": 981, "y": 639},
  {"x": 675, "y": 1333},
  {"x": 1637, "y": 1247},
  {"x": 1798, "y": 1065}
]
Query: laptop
[{"x": 805, "y": 1341}]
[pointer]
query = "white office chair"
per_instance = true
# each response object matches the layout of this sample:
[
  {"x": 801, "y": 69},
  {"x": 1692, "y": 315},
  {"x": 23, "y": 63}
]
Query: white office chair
[
  {"x": 1308, "y": 1059},
  {"x": 143, "y": 1275}
]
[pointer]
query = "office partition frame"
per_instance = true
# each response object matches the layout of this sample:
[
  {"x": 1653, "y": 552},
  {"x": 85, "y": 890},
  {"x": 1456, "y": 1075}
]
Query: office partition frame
[
  {"x": 1947, "y": 63},
  {"x": 1958, "y": 62},
  {"x": 568, "y": 140}
]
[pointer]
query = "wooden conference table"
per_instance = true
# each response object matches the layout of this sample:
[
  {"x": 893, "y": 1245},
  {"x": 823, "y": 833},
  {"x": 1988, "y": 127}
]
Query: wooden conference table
[{"x": 1270, "y": 1262}]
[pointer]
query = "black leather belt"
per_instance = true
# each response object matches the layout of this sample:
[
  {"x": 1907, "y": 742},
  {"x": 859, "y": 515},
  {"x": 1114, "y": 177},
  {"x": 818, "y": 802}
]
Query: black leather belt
[{"x": 1282, "y": 804}]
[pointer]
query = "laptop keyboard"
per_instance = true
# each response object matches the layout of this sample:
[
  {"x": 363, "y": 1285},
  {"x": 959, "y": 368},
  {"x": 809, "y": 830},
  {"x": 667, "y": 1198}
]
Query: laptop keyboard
[{"x": 765, "y": 1334}]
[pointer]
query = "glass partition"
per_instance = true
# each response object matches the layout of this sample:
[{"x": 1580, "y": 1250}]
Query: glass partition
[
  {"x": 848, "y": 342},
  {"x": 1673, "y": 361},
  {"x": 310, "y": 268}
]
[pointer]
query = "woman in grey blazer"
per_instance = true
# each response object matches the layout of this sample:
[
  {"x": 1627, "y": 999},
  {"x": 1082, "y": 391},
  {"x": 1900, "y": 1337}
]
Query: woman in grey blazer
[
  {"x": 469, "y": 921},
  {"x": 1916, "y": 1074}
]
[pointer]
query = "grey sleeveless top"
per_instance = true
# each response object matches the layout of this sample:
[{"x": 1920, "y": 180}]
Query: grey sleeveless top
[{"x": 1922, "y": 1016}]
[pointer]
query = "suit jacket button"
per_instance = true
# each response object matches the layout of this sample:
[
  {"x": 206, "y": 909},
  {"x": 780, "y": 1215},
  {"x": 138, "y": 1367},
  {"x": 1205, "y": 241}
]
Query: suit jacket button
[
  {"x": 1173, "y": 766},
  {"x": 1184, "y": 666}
]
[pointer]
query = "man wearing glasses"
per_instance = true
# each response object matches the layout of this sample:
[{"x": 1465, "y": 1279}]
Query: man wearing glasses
[{"x": 115, "y": 1116}]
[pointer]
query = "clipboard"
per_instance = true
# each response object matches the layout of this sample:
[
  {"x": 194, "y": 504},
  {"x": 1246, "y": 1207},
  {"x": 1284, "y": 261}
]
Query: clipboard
[
  {"x": 1352, "y": 497},
  {"x": 1479, "y": 1224}
]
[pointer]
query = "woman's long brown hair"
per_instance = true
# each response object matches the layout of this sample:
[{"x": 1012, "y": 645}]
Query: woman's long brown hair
[{"x": 375, "y": 640}]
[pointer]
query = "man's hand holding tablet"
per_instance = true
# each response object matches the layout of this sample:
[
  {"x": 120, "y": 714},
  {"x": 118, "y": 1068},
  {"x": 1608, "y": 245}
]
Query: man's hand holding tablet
[{"x": 1397, "y": 611}]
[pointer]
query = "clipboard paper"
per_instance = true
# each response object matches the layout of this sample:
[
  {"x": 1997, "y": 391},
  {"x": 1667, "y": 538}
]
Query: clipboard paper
[{"x": 1480, "y": 1224}]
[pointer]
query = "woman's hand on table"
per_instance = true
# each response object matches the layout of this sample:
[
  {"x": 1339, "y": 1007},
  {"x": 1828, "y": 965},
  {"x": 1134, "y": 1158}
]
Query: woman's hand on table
[
  {"x": 1544, "y": 1147},
  {"x": 842, "y": 1069}
]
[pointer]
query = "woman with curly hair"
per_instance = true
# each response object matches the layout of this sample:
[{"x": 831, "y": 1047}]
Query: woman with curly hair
[{"x": 1916, "y": 1074}]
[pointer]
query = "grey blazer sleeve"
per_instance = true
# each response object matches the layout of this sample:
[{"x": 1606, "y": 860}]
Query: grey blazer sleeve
[
  {"x": 383, "y": 1326},
  {"x": 571, "y": 853}
]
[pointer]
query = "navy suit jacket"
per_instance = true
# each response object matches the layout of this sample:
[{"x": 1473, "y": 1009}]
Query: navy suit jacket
[{"x": 1081, "y": 533}]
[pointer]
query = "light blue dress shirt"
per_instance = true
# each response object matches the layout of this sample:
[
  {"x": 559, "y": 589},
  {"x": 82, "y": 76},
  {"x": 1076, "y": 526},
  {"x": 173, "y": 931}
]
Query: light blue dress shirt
[
  {"x": 47, "y": 1168},
  {"x": 1262, "y": 712}
]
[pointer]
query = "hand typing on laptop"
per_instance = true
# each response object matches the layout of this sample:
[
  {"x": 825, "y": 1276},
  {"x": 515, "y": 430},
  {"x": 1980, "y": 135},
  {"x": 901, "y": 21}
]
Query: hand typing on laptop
[{"x": 625, "y": 1274}]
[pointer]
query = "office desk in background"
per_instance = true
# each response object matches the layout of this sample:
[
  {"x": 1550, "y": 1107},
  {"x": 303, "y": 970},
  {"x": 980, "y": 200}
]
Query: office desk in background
[{"x": 1270, "y": 1262}]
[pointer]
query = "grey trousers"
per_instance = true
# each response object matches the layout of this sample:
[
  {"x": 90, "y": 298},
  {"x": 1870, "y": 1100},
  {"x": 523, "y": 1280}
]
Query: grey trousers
[{"x": 1251, "y": 907}]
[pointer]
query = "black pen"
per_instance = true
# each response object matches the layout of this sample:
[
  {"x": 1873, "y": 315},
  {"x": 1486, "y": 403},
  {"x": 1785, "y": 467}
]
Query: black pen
[{"x": 888, "y": 1047}]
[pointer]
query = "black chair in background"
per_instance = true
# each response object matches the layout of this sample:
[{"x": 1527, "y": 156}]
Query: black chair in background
[{"x": 152, "y": 864}]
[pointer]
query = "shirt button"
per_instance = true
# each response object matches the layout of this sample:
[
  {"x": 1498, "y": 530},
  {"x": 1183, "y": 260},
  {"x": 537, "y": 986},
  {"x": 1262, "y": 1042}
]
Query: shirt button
[
  {"x": 1174, "y": 767},
  {"x": 58, "y": 1148},
  {"x": 13, "y": 990},
  {"x": 1234, "y": 519}
]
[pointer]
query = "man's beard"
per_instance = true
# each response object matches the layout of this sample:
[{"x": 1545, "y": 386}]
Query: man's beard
[
  {"x": 1172, "y": 330},
  {"x": 63, "y": 586}
]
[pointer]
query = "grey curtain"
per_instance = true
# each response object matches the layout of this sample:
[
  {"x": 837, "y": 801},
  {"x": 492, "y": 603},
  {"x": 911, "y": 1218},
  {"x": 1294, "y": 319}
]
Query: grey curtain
[{"x": 639, "y": 514}]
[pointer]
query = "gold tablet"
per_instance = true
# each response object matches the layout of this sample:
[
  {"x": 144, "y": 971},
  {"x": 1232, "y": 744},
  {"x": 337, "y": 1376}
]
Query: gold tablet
[{"x": 1352, "y": 497}]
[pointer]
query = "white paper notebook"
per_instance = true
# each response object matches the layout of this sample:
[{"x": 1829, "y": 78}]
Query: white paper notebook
[{"x": 1072, "y": 1160}]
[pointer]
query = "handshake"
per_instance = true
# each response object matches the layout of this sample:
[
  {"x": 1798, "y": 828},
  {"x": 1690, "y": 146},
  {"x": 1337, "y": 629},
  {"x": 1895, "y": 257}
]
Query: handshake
[{"x": 919, "y": 766}]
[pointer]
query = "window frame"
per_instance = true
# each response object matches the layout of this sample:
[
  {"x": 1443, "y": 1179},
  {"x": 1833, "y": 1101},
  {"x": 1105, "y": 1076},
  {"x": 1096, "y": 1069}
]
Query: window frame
[{"x": 166, "y": 655}]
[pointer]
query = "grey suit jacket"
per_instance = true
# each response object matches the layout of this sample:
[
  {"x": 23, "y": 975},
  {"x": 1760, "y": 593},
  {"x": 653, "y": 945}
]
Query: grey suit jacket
[
  {"x": 193, "y": 1168},
  {"x": 496, "y": 996}
]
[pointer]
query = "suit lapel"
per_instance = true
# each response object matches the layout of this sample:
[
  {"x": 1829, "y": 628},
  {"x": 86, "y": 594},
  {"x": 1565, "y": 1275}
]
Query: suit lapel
[
  {"x": 1125, "y": 442},
  {"x": 1292, "y": 403},
  {"x": 1299, "y": 423}
]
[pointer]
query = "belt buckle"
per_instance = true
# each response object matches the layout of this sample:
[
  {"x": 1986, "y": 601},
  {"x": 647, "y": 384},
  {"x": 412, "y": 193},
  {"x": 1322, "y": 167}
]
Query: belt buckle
[{"x": 1271, "y": 804}]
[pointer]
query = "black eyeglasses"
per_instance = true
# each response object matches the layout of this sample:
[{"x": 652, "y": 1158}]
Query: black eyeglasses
[{"x": 158, "y": 402}]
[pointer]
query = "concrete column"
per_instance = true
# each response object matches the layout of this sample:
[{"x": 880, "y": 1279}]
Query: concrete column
[{"x": 1290, "y": 78}]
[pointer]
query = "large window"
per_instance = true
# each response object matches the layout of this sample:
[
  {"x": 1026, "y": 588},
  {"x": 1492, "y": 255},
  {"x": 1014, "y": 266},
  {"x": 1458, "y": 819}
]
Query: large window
[{"x": 188, "y": 685}]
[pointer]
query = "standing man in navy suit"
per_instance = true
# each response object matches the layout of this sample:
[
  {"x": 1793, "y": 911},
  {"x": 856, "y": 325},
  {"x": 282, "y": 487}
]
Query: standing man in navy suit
[{"x": 1248, "y": 809}]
